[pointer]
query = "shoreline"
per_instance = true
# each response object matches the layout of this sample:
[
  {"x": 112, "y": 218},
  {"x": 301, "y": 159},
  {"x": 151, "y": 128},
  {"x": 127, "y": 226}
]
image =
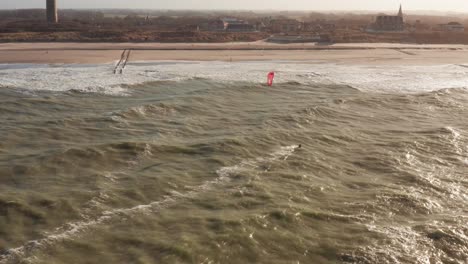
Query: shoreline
[
  {"x": 257, "y": 45},
  {"x": 359, "y": 53}
]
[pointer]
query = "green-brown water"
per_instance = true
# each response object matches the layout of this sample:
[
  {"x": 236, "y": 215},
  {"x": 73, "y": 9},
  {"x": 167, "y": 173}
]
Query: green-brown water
[{"x": 201, "y": 171}]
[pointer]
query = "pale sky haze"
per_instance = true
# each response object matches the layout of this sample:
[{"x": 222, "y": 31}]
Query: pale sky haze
[{"x": 371, "y": 5}]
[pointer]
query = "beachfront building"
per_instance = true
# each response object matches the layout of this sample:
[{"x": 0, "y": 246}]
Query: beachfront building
[
  {"x": 237, "y": 25},
  {"x": 240, "y": 27},
  {"x": 318, "y": 27},
  {"x": 452, "y": 27},
  {"x": 231, "y": 25},
  {"x": 285, "y": 25},
  {"x": 216, "y": 25},
  {"x": 230, "y": 20},
  {"x": 389, "y": 23}
]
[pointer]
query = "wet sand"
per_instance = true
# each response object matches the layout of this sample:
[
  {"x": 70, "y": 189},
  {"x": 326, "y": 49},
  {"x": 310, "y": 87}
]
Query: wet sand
[{"x": 372, "y": 53}]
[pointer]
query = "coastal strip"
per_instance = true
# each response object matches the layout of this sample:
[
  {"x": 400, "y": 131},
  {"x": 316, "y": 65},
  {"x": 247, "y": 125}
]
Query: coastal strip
[{"x": 359, "y": 54}]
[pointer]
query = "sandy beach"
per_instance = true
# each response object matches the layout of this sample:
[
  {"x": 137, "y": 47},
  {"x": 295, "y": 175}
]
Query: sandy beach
[{"x": 371, "y": 53}]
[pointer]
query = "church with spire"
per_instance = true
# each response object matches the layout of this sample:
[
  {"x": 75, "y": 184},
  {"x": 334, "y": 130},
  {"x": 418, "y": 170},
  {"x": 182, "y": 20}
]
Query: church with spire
[{"x": 390, "y": 23}]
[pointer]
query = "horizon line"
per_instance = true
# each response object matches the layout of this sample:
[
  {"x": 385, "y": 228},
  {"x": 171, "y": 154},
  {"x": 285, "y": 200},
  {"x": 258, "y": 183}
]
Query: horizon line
[{"x": 244, "y": 10}]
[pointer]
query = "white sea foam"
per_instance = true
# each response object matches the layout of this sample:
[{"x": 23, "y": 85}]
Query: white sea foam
[
  {"x": 100, "y": 78},
  {"x": 26, "y": 253},
  {"x": 409, "y": 243},
  {"x": 402, "y": 242},
  {"x": 60, "y": 78},
  {"x": 455, "y": 139},
  {"x": 282, "y": 154}
]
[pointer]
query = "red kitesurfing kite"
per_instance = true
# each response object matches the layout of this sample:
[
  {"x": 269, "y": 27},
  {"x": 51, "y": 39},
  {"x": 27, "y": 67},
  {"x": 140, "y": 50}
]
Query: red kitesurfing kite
[{"x": 270, "y": 77}]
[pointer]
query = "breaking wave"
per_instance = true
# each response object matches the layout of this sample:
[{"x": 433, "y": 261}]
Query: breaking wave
[{"x": 100, "y": 78}]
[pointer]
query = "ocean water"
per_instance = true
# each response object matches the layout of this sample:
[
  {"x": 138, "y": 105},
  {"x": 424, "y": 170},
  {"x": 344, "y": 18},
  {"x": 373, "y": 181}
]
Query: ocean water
[{"x": 200, "y": 162}]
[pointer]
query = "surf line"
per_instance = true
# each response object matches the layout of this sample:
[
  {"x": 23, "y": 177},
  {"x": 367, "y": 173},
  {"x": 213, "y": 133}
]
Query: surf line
[{"x": 71, "y": 230}]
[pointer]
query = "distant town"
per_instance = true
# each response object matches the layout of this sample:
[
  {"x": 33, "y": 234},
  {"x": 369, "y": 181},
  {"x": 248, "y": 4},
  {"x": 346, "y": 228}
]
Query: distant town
[{"x": 63, "y": 25}]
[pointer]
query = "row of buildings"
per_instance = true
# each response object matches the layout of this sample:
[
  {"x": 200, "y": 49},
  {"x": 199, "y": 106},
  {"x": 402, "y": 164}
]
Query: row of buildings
[
  {"x": 452, "y": 27},
  {"x": 283, "y": 25},
  {"x": 231, "y": 25},
  {"x": 382, "y": 23}
]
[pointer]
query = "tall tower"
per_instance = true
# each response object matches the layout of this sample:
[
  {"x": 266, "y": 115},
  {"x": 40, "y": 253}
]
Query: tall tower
[
  {"x": 400, "y": 13},
  {"x": 401, "y": 22},
  {"x": 52, "y": 16}
]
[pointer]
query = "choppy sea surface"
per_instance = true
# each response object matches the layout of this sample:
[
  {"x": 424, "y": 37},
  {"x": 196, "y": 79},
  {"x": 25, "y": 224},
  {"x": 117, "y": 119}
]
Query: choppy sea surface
[{"x": 200, "y": 162}]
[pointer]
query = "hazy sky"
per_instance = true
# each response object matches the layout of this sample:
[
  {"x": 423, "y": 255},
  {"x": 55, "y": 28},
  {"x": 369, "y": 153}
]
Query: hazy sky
[{"x": 440, "y": 5}]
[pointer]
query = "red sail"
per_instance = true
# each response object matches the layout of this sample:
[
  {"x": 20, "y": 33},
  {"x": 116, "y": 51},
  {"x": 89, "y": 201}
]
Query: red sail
[{"x": 271, "y": 76}]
